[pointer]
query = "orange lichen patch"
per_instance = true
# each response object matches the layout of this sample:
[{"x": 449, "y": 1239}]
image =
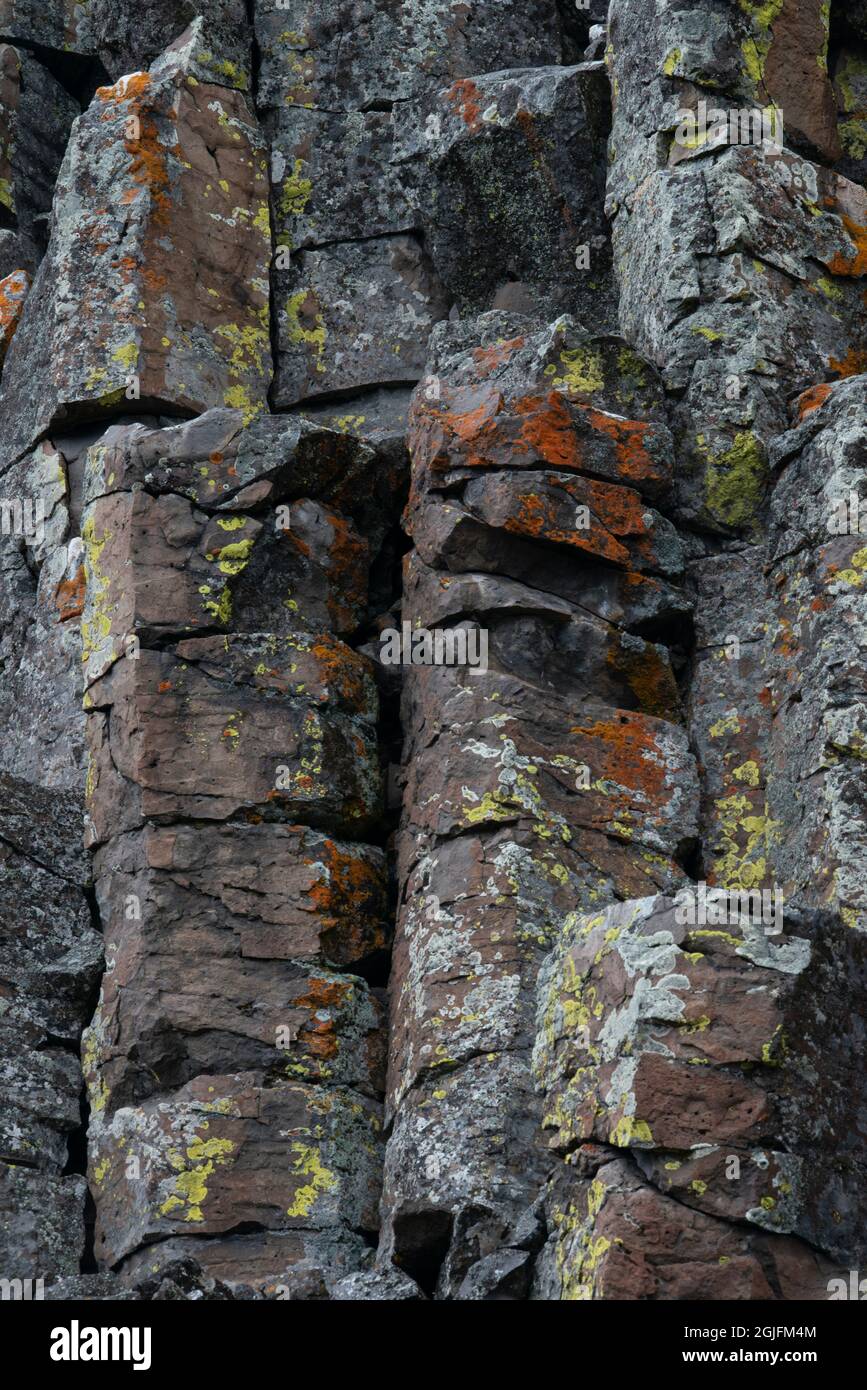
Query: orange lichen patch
[
  {"x": 532, "y": 516},
  {"x": 127, "y": 88},
  {"x": 628, "y": 437},
  {"x": 626, "y": 753},
  {"x": 164, "y": 685},
  {"x": 465, "y": 98},
  {"x": 148, "y": 166},
  {"x": 350, "y": 899},
  {"x": 812, "y": 399},
  {"x": 342, "y": 671},
  {"x": 636, "y": 581},
  {"x": 540, "y": 518},
  {"x": 153, "y": 279},
  {"x": 621, "y": 510},
  {"x": 477, "y": 416},
  {"x": 69, "y": 596},
  {"x": 856, "y": 264},
  {"x": 348, "y": 572},
  {"x": 324, "y": 994},
  {"x": 488, "y": 359},
  {"x": 14, "y": 289},
  {"x": 548, "y": 430},
  {"x": 853, "y": 364},
  {"x": 650, "y": 679}
]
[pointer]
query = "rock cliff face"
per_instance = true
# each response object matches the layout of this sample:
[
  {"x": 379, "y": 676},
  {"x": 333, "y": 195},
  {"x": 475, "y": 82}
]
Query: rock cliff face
[{"x": 327, "y": 325}]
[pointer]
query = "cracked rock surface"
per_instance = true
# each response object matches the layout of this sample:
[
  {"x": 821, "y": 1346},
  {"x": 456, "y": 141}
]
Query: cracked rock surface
[{"x": 328, "y": 330}]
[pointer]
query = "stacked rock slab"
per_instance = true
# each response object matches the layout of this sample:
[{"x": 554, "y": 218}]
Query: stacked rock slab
[
  {"x": 154, "y": 288},
  {"x": 741, "y": 272},
  {"x": 740, "y": 266},
  {"x": 725, "y": 1181},
  {"x": 424, "y": 157},
  {"x": 558, "y": 778},
  {"x": 815, "y": 654},
  {"x": 50, "y": 960},
  {"x": 677, "y": 1066},
  {"x": 332, "y": 207},
  {"x": 235, "y": 1061}
]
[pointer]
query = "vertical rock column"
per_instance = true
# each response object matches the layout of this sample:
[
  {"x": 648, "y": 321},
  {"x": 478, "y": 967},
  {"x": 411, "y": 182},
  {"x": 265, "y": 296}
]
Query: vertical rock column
[
  {"x": 355, "y": 98},
  {"x": 558, "y": 779},
  {"x": 699, "y": 1078},
  {"x": 235, "y": 1062},
  {"x": 50, "y": 959},
  {"x": 154, "y": 289},
  {"x": 741, "y": 271}
]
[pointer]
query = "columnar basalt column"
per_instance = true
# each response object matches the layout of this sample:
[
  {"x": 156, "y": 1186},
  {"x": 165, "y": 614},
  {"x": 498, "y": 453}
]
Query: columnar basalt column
[
  {"x": 235, "y": 1062},
  {"x": 558, "y": 778}
]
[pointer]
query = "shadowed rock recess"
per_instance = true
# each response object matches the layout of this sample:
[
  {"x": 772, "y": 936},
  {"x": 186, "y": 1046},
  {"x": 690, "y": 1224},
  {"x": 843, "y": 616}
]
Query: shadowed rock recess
[{"x": 323, "y": 977}]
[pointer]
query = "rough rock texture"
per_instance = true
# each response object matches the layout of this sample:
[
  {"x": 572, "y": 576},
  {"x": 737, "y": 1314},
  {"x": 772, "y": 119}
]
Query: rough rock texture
[
  {"x": 158, "y": 256},
  {"x": 50, "y": 962},
  {"x": 36, "y": 114},
  {"x": 502, "y": 837},
  {"x": 234, "y": 1062},
  {"x": 537, "y": 328},
  {"x": 694, "y": 1050}
]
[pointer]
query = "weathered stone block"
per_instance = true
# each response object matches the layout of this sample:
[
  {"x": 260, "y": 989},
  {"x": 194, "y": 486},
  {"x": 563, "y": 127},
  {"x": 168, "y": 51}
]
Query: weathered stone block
[
  {"x": 159, "y": 256},
  {"x": 352, "y": 315},
  {"x": 506, "y": 172},
  {"x": 280, "y": 728},
  {"x": 225, "y": 1151},
  {"x": 694, "y": 1044}
]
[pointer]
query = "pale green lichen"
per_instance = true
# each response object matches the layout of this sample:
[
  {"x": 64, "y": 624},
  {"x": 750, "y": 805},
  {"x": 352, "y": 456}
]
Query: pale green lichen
[{"x": 735, "y": 482}]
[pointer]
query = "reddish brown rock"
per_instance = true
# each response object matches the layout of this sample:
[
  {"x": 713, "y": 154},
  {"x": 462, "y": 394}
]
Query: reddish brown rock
[
  {"x": 279, "y": 728},
  {"x": 693, "y": 1045},
  {"x": 161, "y": 249},
  {"x": 278, "y": 892},
  {"x": 14, "y": 289},
  {"x": 617, "y": 1238},
  {"x": 225, "y": 1151}
]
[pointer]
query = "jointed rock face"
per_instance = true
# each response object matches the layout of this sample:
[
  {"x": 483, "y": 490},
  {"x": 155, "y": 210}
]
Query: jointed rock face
[{"x": 325, "y": 328}]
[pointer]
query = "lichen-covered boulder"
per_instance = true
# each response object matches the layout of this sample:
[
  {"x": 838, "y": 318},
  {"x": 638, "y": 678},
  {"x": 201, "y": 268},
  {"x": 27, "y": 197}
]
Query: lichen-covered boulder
[
  {"x": 158, "y": 255},
  {"x": 692, "y": 1044},
  {"x": 225, "y": 1151}
]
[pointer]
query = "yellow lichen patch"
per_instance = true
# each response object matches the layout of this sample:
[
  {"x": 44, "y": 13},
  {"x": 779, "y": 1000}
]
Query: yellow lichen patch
[
  {"x": 247, "y": 347},
  {"x": 96, "y": 625},
  {"x": 306, "y": 325},
  {"x": 239, "y": 398},
  {"x": 190, "y": 1186},
  {"x": 127, "y": 356},
  {"x": 581, "y": 370},
  {"x": 308, "y": 1163},
  {"x": 746, "y": 838},
  {"x": 628, "y": 1131},
  {"x": 233, "y": 558},
  {"x": 295, "y": 194}
]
